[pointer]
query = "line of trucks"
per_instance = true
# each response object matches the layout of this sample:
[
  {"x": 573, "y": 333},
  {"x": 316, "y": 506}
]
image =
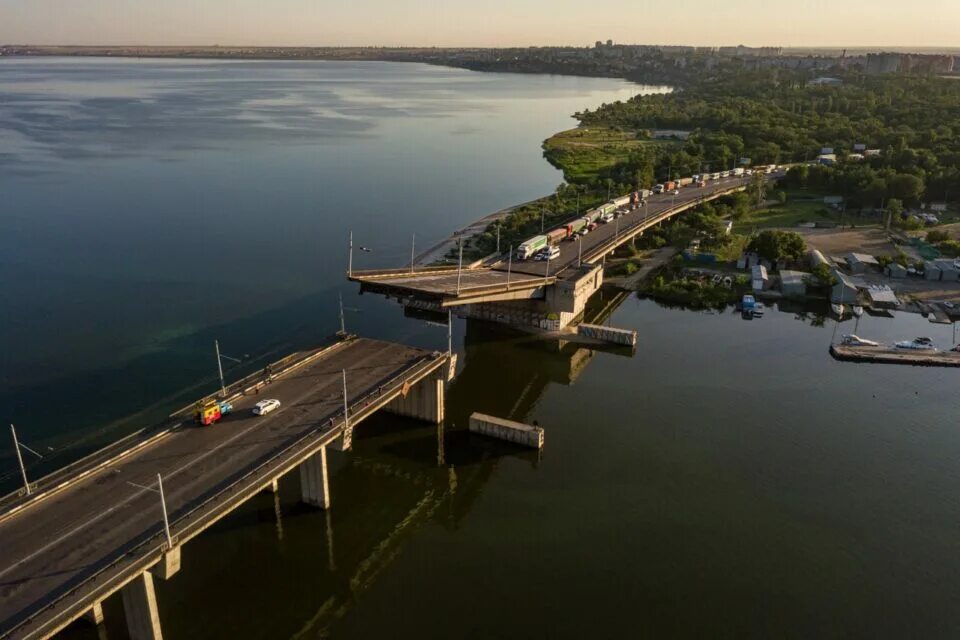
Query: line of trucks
[{"x": 543, "y": 246}]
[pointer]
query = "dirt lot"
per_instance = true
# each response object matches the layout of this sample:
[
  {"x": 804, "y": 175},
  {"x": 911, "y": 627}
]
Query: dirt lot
[{"x": 837, "y": 242}]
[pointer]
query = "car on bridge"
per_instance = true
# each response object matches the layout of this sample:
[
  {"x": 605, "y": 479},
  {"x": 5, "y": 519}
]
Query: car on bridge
[{"x": 264, "y": 407}]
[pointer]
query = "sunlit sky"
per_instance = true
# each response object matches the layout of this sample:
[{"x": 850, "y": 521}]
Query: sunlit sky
[{"x": 920, "y": 23}]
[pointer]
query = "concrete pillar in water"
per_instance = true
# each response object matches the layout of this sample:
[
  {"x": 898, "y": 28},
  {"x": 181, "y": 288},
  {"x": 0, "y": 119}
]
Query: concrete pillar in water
[
  {"x": 273, "y": 486},
  {"x": 140, "y": 608},
  {"x": 314, "y": 486},
  {"x": 95, "y": 614},
  {"x": 423, "y": 401}
]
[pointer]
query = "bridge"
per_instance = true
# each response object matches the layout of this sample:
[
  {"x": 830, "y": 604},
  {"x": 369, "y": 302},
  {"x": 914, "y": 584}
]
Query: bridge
[
  {"x": 106, "y": 524},
  {"x": 548, "y": 294}
]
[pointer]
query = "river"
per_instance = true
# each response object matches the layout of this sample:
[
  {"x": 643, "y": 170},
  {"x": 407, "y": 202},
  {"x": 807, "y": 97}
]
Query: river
[{"x": 729, "y": 478}]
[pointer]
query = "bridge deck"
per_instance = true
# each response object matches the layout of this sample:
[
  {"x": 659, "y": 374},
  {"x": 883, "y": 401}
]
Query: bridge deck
[
  {"x": 73, "y": 544},
  {"x": 443, "y": 285}
]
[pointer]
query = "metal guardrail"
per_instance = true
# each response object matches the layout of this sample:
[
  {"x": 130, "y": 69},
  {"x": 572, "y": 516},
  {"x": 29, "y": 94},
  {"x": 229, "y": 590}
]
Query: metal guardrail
[{"x": 151, "y": 551}]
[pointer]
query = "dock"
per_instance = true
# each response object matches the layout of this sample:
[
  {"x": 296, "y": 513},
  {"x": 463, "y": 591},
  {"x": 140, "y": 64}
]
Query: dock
[{"x": 885, "y": 355}]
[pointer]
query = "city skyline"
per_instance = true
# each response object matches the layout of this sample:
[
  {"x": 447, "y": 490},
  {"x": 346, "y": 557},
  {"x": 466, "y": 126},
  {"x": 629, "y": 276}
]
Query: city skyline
[{"x": 499, "y": 23}]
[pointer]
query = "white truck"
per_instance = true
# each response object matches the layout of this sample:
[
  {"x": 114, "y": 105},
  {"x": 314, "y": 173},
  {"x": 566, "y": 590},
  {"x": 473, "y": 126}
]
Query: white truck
[{"x": 529, "y": 248}]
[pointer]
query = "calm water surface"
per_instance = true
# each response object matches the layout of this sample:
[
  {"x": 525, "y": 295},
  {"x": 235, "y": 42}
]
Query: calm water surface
[{"x": 728, "y": 479}]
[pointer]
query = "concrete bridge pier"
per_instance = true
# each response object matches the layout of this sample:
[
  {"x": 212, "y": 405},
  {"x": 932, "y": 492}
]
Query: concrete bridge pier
[
  {"x": 95, "y": 614},
  {"x": 140, "y": 608},
  {"x": 423, "y": 401},
  {"x": 314, "y": 484}
]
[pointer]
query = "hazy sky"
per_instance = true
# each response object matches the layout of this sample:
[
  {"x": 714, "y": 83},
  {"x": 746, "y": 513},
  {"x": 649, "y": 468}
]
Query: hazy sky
[{"x": 482, "y": 22}]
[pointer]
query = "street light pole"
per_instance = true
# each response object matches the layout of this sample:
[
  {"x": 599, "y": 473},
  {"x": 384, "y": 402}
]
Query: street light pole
[
  {"x": 413, "y": 247},
  {"x": 498, "y": 238},
  {"x": 223, "y": 387},
  {"x": 343, "y": 323},
  {"x": 346, "y": 417},
  {"x": 449, "y": 332},
  {"x": 541, "y": 219},
  {"x": 350, "y": 258},
  {"x": 166, "y": 519},
  {"x": 509, "y": 266},
  {"x": 459, "y": 264},
  {"x": 579, "y": 251},
  {"x": 23, "y": 469}
]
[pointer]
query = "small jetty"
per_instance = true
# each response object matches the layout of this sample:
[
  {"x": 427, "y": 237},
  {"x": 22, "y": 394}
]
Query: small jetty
[
  {"x": 886, "y": 355},
  {"x": 508, "y": 430}
]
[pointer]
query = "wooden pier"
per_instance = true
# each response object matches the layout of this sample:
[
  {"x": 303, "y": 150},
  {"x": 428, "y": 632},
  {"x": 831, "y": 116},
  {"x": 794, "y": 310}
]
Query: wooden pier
[{"x": 887, "y": 355}]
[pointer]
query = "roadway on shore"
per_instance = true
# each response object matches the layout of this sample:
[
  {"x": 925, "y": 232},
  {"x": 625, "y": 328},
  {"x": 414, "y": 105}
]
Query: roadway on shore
[{"x": 59, "y": 542}]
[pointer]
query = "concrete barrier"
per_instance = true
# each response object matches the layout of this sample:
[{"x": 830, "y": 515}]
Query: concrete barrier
[
  {"x": 612, "y": 335},
  {"x": 508, "y": 430}
]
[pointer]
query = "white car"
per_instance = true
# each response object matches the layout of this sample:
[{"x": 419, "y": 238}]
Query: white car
[
  {"x": 264, "y": 407},
  {"x": 552, "y": 253}
]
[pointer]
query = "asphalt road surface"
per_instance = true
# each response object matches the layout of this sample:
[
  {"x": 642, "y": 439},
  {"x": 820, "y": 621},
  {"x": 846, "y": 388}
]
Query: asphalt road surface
[{"x": 69, "y": 536}]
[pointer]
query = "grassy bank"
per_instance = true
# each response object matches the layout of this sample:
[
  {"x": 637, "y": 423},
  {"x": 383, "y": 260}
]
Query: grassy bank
[{"x": 587, "y": 154}]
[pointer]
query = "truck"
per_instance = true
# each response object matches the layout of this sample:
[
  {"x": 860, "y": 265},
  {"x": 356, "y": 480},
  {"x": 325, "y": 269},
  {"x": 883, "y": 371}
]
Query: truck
[
  {"x": 529, "y": 248},
  {"x": 556, "y": 235},
  {"x": 738, "y": 171},
  {"x": 658, "y": 188},
  {"x": 592, "y": 216},
  {"x": 210, "y": 410},
  {"x": 683, "y": 182},
  {"x": 669, "y": 185},
  {"x": 575, "y": 226}
]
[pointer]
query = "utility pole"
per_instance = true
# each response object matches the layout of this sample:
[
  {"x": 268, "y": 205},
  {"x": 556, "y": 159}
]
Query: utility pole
[
  {"x": 350, "y": 258},
  {"x": 223, "y": 387},
  {"x": 166, "y": 519},
  {"x": 459, "y": 264},
  {"x": 23, "y": 469},
  {"x": 579, "y": 251},
  {"x": 343, "y": 323},
  {"x": 449, "y": 332},
  {"x": 541, "y": 219}
]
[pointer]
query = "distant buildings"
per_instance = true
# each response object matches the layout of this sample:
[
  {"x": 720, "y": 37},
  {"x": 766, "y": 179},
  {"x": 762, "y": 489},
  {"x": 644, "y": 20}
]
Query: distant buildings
[{"x": 910, "y": 63}]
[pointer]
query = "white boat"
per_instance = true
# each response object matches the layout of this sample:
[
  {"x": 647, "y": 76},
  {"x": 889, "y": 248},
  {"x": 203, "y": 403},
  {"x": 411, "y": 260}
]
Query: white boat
[
  {"x": 918, "y": 344},
  {"x": 857, "y": 310},
  {"x": 837, "y": 309},
  {"x": 853, "y": 340}
]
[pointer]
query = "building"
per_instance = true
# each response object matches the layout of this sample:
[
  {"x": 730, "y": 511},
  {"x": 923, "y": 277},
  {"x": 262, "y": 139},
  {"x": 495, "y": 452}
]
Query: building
[
  {"x": 896, "y": 270},
  {"x": 883, "y": 62},
  {"x": 817, "y": 258},
  {"x": 759, "y": 279},
  {"x": 881, "y": 296},
  {"x": 845, "y": 291},
  {"x": 824, "y": 81},
  {"x": 669, "y": 134},
  {"x": 948, "y": 270},
  {"x": 793, "y": 284},
  {"x": 860, "y": 262}
]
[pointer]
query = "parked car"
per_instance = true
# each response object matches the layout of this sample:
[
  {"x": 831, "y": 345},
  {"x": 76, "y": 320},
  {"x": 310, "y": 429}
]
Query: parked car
[{"x": 264, "y": 407}]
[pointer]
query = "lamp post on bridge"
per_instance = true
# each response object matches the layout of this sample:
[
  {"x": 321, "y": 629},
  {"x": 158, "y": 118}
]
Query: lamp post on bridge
[
  {"x": 413, "y": 247},
  {"x": 220, "y": 357},
  {"x": 579, "y": 251},
  {"x": 163, "y": 506},
  {"x": 350, "y": 258},
  {"x": 17, "y": 445},
  {"x": 459, "y": 263}
]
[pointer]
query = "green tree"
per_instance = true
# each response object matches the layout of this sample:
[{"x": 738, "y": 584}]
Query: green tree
[
  {"x": 782, "y": 197},
  {"x": 775, "y": 245},
  {"x": 894, "y": 211}
]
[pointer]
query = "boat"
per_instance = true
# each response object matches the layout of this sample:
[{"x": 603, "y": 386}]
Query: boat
[
  {"x": 917, "y": 344},
  {"x": 857, "y": 310},
  {"x": 852, "y": 340},
  {"x": 837, "y": 309}
]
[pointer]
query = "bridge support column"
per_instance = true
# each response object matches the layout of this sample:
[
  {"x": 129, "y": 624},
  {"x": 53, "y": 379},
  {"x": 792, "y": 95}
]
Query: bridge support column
[
  {"x": 140, "y": 608},
  {"x": 314, "y": 486},
  {"x": 95, "y": 614},
  {"x": 423, "y": 401}
]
